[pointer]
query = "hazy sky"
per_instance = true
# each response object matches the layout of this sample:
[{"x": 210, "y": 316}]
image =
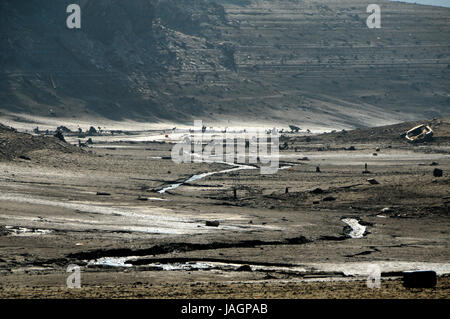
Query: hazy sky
[{"x": 444, "y": 3}]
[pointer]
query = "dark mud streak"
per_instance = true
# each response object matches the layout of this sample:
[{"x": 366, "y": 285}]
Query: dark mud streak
[
  {"x": 147, "y": 261},
  {"x": 181, "y": 247},
  {"x": 333, "y": 238},
  {"x": 364, "y": 253}
]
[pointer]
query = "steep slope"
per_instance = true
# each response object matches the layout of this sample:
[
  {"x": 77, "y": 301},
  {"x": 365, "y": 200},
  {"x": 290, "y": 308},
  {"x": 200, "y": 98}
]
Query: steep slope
[{"x": 288, "y": 61}]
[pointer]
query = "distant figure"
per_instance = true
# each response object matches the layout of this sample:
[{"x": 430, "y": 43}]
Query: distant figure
[{"x": 317, "y": 169}]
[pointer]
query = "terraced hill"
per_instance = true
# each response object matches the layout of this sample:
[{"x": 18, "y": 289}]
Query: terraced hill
[{"x": 286, "y": 61}]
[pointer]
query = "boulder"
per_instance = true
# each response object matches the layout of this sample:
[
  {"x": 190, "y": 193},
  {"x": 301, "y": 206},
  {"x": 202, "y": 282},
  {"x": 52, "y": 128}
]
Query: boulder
[
  {"x": 103, "y": 194},
  {"x": 244, "y": 268},
  {"x": 60, "y": 136},
  {"x": 419, "y": 279},
  {"x": 317, "y": 191},
  {"x": 438, "y": 172},
  {"x": 212, "y": 223}
]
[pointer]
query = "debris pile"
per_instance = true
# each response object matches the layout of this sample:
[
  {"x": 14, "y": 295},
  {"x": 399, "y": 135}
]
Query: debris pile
[{"x": 419, "y": 133}]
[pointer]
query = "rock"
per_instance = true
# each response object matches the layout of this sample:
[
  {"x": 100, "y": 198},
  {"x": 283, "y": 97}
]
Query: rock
[
  {"x": 387, "y": 210},
  {"x": 60, "y": 136},
  {"x": 63, "y": 128},
  {"x": 269, "y": 276},
  {"x": 377, "y": 150},
  {"x": 283, "y": 147},
  {"x": 25, "y": 157},
  {"x": 92, "y": 131},
  {"x": 89, "y": 141},
  {"x": 297, "y": 240},
  {"x": 3, "y": 231},
  {"x": 419, "y": 279},
  {"x": 351, "y": 148},
  {"x": 375, "y": 154},
  {"x": 316, "y": 202},
  {"x": 103, "y": 194},
  {"x": 373, "y": 181},
  {"x": 434, "y": 164},
  {"x": 438, "y": 172},
  {"x": 317, "y": 191},
  {"x": 244, "y": 268},
  {"x": 329, "y": 199},
  {"x": 142, "y": 198},
  {"x": 212, "y": 223}
]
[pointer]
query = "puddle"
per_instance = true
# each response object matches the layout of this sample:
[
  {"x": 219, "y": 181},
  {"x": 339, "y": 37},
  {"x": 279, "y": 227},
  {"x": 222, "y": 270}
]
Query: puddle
[
  {"x": 188, "y": 266},
  {"x": 185, "y": 266},
  {"x": 111, "y": 261},
  {"x": 357, "y": 229},
  {"x": 321, "y": 270},
  {"x": 197, "y": 177},
  {"x": 23, "y": 231},
  {"x": 156, "y": 198}
]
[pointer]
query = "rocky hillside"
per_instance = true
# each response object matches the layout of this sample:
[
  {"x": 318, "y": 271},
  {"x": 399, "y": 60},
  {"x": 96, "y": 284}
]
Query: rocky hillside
[{"x": 290, "y": 61}]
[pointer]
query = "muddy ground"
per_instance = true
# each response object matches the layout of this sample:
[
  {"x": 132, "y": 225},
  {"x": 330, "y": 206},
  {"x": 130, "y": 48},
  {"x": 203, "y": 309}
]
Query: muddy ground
[{"x": 101, "y": 209}]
